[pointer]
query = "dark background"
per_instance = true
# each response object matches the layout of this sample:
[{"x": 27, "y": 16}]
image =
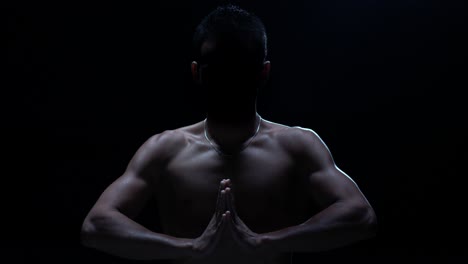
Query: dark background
[{"x": 380, "y": 81}]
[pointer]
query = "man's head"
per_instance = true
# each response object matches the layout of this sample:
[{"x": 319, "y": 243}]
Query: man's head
[{"x": 230, "y": 47}]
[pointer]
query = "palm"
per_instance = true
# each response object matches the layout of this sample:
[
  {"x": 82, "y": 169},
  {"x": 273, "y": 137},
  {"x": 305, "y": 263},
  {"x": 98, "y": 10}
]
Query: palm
[{"x": 242, "y": 234}]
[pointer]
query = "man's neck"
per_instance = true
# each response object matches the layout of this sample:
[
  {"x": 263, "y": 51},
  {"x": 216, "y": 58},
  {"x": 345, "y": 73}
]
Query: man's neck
[{"x": 231, "y": 131}]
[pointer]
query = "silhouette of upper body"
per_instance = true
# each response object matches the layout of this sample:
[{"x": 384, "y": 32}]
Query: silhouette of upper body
[{"x": 285, "y": 190}]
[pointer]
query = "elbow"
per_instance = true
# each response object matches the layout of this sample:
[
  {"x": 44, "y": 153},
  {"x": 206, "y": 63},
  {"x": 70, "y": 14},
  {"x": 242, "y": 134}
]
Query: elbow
[
  {"x": 368, "y": 222},
  {"x": 371, "y": 224},
  {"x": 86, "y": 233},
  {"x": 92, "y": 229},
  {"x": 363, "y": 219}
]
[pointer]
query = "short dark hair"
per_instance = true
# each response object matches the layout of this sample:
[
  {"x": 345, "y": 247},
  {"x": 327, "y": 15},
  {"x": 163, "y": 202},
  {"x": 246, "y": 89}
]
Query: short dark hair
[{"x": 244, "y": 29}]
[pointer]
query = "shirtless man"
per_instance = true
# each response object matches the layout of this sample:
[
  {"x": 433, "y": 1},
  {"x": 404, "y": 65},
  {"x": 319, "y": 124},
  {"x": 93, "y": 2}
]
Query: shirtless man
[{"x": 233, "y": 188}]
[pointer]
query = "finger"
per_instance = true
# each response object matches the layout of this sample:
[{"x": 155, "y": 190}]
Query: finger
[
  {"x": 222, "y": 208},
  {"x": 228, "y": 182},
  {"x": 223, "y": 201},
  {"x": 220, "y": 204},
  {"x": 230, "y": 204},
  {"x": 226, "y": 224},
  {"x": 232, "y": 228},
  {"x": 221, "y": 229},
  {"x": 228, "y": 219},
  {"x": 219, "y": 209},
  {"x": 228, "y": 199}
]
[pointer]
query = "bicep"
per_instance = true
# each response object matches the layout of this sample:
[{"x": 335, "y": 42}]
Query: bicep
[
  {"x": 127, "y": 194},
  {"x": 330, "y": 184},
  {"x": 130, "y": 192},
  {"x": 326, "y": 183}
]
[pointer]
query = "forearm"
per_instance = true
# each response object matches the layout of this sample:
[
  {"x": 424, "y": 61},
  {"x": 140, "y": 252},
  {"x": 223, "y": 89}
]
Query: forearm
[
  {"x": 118, "y": 235},
  {"x": 336, "y": 226}
]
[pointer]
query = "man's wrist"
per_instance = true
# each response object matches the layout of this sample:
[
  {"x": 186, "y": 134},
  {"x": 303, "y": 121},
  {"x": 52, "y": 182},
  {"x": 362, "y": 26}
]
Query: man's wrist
[
  {"x": 186, "y": 244},
  {"x": 265, "y": 245}
]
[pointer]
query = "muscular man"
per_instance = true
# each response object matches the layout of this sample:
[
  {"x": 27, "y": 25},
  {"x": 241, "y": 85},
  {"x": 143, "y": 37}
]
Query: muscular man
[{"x": 234, "y": 187}]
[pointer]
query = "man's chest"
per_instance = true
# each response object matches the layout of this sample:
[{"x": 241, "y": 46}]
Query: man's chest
[{"x": 265, "y": 184}]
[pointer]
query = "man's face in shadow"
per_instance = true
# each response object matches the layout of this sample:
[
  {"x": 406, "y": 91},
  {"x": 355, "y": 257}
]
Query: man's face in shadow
[{"x": 229, "y": 73}]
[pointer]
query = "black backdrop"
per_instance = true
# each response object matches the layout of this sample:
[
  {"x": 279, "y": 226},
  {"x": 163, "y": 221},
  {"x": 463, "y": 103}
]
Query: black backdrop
[{"x": 380, "y": 81}]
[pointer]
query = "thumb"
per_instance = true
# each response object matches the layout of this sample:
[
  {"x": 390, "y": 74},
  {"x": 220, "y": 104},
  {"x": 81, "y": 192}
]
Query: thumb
[
  {"x": 231, "y": 228},
  {"x": 221, "y": 230},
  {"x": 227, "y": 220},
  {"x": 223, "y": 225}
]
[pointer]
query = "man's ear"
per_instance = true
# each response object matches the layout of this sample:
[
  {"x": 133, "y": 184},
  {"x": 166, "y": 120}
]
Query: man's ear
[
  {"x": 266, "y": 70},
  {"x": 195, "y": 75}
]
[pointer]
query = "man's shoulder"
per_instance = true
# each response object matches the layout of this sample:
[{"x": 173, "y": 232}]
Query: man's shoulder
[
  {"x": 303, "y": 133},
  {"x": 171, "y": 141},
  {"x": 296, "y": 138},
  {"x": 166, "y": 143}
]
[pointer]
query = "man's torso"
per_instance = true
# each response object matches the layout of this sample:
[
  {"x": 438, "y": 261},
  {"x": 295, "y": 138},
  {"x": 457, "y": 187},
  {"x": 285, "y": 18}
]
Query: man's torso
[{"x": 267, "y": 184}]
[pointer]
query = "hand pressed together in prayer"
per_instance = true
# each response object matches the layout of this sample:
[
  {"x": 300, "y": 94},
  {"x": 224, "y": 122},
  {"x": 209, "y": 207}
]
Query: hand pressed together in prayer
[{"x": 226, "y": 220}]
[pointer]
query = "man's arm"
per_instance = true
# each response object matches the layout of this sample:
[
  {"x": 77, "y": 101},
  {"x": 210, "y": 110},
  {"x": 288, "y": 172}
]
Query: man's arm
[
  {"x": 346, "y": 215},
  {"x": 109, "y": 226}
]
